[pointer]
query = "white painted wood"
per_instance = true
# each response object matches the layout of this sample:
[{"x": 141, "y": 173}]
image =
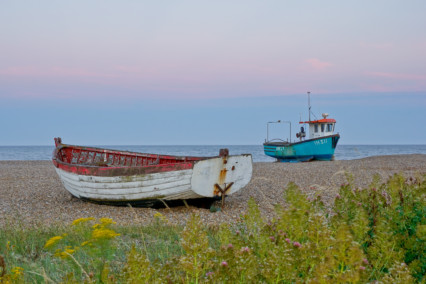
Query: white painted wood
[
  {"x": 206, "y": 174},
  {"x": 186, "y": 184},
  {"x": 166, "y": 185},
  {"x": 152, "y": 181}
]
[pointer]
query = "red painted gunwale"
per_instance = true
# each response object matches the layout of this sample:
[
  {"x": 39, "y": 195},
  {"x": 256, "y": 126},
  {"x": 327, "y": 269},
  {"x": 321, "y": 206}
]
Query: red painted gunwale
[{"x": 92, "y": 161}]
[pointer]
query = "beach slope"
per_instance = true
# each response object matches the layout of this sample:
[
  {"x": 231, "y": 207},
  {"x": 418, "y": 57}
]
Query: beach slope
[{"x": 31, "y": 192}]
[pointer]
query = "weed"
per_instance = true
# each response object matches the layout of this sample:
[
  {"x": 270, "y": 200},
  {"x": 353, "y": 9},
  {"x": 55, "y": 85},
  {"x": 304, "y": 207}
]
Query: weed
[{"x": 372, "y": 234}]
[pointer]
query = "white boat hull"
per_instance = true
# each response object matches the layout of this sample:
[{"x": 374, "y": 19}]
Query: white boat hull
[{"x": 206, "y": 179}]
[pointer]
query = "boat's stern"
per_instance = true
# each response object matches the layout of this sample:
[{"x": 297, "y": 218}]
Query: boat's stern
[{"x": 224, "y": 175}]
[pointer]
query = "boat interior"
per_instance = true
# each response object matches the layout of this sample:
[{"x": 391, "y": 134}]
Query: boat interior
[{"x": 112, "y": 158}]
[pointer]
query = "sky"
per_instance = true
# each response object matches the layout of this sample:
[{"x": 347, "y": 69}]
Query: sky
[{"x": 210, "y": 72}]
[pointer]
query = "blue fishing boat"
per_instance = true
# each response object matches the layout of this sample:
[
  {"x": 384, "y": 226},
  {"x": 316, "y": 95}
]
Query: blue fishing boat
[{"x": 320, "y": 144}]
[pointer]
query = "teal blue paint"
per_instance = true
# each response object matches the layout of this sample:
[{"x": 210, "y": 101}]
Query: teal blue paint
[{"x": 314, "y": 149}]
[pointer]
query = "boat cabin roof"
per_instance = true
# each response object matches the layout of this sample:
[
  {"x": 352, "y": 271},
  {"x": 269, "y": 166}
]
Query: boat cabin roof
[{"x": 325, "y": 120}]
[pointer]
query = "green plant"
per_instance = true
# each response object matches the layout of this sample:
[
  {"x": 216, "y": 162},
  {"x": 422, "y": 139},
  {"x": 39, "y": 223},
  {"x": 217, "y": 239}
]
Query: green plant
[{"x": 372, "y": 234}]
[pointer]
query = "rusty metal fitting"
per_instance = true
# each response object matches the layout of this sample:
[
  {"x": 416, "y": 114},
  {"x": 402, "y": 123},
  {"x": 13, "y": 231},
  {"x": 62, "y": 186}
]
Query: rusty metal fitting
[{"x": 224, "y": 152}]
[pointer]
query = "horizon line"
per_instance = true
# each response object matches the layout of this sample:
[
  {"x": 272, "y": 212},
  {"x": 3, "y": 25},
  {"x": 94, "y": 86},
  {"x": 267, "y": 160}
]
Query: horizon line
[{"x": 96, "y": 145}]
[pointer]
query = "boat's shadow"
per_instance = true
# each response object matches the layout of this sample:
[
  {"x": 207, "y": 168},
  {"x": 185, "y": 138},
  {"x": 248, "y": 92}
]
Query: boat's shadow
[{"x": 205, "y": 203}]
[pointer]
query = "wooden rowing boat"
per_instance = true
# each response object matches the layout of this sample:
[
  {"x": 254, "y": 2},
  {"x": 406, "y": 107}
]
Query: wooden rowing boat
[{"x": 121, "y": 177}]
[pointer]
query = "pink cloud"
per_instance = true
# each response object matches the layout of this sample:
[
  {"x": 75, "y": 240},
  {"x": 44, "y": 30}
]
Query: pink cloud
[
  {"x": 25, "y": 71},
  {"x": 77, "y": 72},
  {"x": 376, "y": 45},
  {"x": 19, "y": 71},
  {"x": 129, "y": 69},
  {"x": 318, "y": 64},
  {"x": 394, "y": 82},
  {"x": 397, "y": 76},
  {"x": 381, "y": 88}
]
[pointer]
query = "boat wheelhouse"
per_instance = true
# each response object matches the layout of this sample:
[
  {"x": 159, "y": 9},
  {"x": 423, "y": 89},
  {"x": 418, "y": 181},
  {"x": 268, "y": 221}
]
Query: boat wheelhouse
[{"x": 320, "y": 128}]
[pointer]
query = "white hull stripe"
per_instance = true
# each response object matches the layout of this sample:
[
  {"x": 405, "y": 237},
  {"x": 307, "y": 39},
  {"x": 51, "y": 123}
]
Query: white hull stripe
[{"x": 165, "y": 185}]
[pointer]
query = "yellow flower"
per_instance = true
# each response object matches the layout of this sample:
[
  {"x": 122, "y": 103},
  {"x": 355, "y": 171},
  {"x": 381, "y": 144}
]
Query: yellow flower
[
  {"x": 17, "y": 270},
  {"x": 82, "y": 220},
  {"x": 103, "y": 233},
  {"x": 52, "y": 241},
  {"x": 67, "y": 251},
  {"x": 161, "y": 217},
  {"x": 16, "y": 273},
  {"x": 70, "y": 251},
  {"x": 107, "y": 221},
  {"x": 85, "y": 243}
]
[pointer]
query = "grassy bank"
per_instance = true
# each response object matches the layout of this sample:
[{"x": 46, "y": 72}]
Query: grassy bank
[{"x": 376, "y": 233}]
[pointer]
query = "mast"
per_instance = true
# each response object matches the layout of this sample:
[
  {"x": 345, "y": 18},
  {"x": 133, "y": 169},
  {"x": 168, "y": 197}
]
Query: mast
[{"x": 309, "y": 105}]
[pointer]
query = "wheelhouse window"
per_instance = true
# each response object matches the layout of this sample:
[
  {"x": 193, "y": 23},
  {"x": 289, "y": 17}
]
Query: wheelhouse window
[
  {"x": 316, "y": 128},
  {"x": 322, "y": 127},
  {"x": 329, "y": 127}
]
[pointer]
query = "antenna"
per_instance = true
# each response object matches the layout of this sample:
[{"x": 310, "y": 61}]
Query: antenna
[{"x": 309, "y": 105}]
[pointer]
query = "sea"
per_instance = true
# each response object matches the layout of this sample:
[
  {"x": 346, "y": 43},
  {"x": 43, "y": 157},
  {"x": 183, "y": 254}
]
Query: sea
[{"x": 343, "y": 152}]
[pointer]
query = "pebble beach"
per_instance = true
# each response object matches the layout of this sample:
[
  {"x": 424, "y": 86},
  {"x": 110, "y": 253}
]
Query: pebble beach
[{"x": 32, "y": 194}]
